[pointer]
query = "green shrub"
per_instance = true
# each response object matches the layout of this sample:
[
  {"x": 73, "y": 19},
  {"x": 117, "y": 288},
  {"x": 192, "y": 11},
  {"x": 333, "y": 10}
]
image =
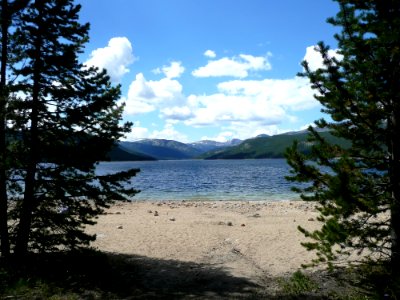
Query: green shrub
[{"x": 298, "y": 284}]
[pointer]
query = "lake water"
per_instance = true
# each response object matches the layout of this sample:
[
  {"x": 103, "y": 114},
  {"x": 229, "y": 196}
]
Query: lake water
[{"x": 253, "y": 180}]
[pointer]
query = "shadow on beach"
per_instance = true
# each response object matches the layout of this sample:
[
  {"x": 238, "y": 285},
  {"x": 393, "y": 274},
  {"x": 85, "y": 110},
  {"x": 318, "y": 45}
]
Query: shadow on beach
[{"x": 97, "y": 275}]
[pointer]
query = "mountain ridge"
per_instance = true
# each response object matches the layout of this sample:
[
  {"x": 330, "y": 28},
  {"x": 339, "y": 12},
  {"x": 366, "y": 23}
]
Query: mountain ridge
[
  {"x": 261, "y": 146},
  {"x": 270, "y": 146}
]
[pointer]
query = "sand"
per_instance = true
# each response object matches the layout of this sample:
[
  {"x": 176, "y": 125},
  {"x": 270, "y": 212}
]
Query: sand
[{"x": 252, "y": 240}]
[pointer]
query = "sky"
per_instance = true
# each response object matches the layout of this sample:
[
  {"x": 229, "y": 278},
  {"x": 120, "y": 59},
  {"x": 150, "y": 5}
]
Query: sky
[{"x": 194, "y": 70}]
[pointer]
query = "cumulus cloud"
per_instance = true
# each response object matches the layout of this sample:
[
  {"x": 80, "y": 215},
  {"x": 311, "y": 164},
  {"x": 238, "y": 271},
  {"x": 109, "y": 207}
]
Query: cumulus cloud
[
  {"x": 264, "y": 102},
  {"x": 147, "y": 95},
  {"x": 137, "y": 133},
  {"x": 169, "y": 133},
  {"x": 314, "y": 59},
  {"x": 246, "y": 107},
  {"x": 177, "y": 113},
  {"x": 210, "y": 54},
  {"x": 220, "y": 109},
  {"x": 115, "y": 58},
  {"x": 237, "y": 66},
  {"x": 140, "y": 94},
  {"x": 293, "y": 94},
  {"x": 174, "y": 70}
]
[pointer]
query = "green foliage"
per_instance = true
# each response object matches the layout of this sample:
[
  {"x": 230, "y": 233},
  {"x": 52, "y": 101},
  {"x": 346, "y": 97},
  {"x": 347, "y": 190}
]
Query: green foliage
[
  {"x": 38, "y": 290},
  {"x": 357, "y": 188},
  {"x": 298, "y": 284}
]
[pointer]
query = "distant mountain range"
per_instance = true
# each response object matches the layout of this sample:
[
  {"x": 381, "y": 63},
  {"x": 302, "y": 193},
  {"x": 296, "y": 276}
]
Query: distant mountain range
[
  {"x": 262, "y": 146},
  {"x": 118, "y": 153},
  {"x": 269, "y": 146},
  {"x": 168, "y": 149},
  {"x": 207, "y": 145},
  {"x": 162, "y": 149}
]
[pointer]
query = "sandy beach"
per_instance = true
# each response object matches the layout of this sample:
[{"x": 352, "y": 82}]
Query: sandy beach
[{"x": 252, "y": 240}]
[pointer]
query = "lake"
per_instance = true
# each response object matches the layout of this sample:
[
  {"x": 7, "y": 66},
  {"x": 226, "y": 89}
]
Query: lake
[{"x": 253, "y": 180}]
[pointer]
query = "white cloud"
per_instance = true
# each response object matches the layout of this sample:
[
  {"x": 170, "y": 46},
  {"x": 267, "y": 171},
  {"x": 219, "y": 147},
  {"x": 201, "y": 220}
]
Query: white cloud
[
  {"x": 246, "y": 107},
  {"x": 238, "y": 66},
  {"x": 314, "y": 59},
  {"x": 139, "y": 97},
  {"x": 169, "y": 133},
  {"x": 268, "y": 102},
  {"x": 178, "y": 113},
  {"x": 264, "y": 102},
  {"x": 147, "y": 95},
  {"x": 290, "y": 94},
  {"x": 252, "y": 129},
  {"x": 115, "y": 58},
  {"x": 174, "y": 70},
  {"x": 137, "y": 133},
  {"x": 218, "y": 109},
  {"x": 222, "y": 137},
  {"x": 210, "y": 54}
]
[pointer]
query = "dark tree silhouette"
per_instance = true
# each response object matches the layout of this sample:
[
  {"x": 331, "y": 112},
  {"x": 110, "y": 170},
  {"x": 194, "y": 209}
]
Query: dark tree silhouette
[
  {"x": 358, "y": 189},
  {"x": 65, "y": 120}
]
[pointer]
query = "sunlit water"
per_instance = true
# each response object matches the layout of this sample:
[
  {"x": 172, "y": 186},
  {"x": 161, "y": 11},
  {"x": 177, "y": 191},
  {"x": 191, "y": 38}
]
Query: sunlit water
[{"x": 261, "y": 179}]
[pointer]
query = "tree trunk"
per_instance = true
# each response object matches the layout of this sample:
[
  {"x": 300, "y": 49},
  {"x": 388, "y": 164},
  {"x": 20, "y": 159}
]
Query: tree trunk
[
  {"x": 4, "y": 237},
  {"x": 29, "y": 201}
]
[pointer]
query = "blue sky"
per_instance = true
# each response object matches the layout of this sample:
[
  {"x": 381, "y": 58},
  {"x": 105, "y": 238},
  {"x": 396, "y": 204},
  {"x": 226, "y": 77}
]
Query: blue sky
[{"x": 209, "y": 69}]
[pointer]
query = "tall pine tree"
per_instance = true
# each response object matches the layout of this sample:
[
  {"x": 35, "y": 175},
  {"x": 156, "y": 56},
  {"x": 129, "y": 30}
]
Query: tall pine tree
[
  {"x": 67, "y": 119},
  {"x": 358, "y": 189}
]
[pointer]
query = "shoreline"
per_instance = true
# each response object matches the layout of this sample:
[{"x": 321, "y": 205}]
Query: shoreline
[{"x": 215, "y": 198}]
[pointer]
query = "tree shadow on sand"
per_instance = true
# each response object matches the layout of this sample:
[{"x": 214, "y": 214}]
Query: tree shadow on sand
[{"x": 97, "y": 275}]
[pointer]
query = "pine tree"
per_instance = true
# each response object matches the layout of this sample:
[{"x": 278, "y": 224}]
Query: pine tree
[
  {"x": 357, "y": 189},
  {"x": 67, "y": 120}
]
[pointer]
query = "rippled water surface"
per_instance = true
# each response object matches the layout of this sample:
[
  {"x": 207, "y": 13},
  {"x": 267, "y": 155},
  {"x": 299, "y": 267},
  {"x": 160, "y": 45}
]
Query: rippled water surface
[{"x": 261, "y": 179}]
